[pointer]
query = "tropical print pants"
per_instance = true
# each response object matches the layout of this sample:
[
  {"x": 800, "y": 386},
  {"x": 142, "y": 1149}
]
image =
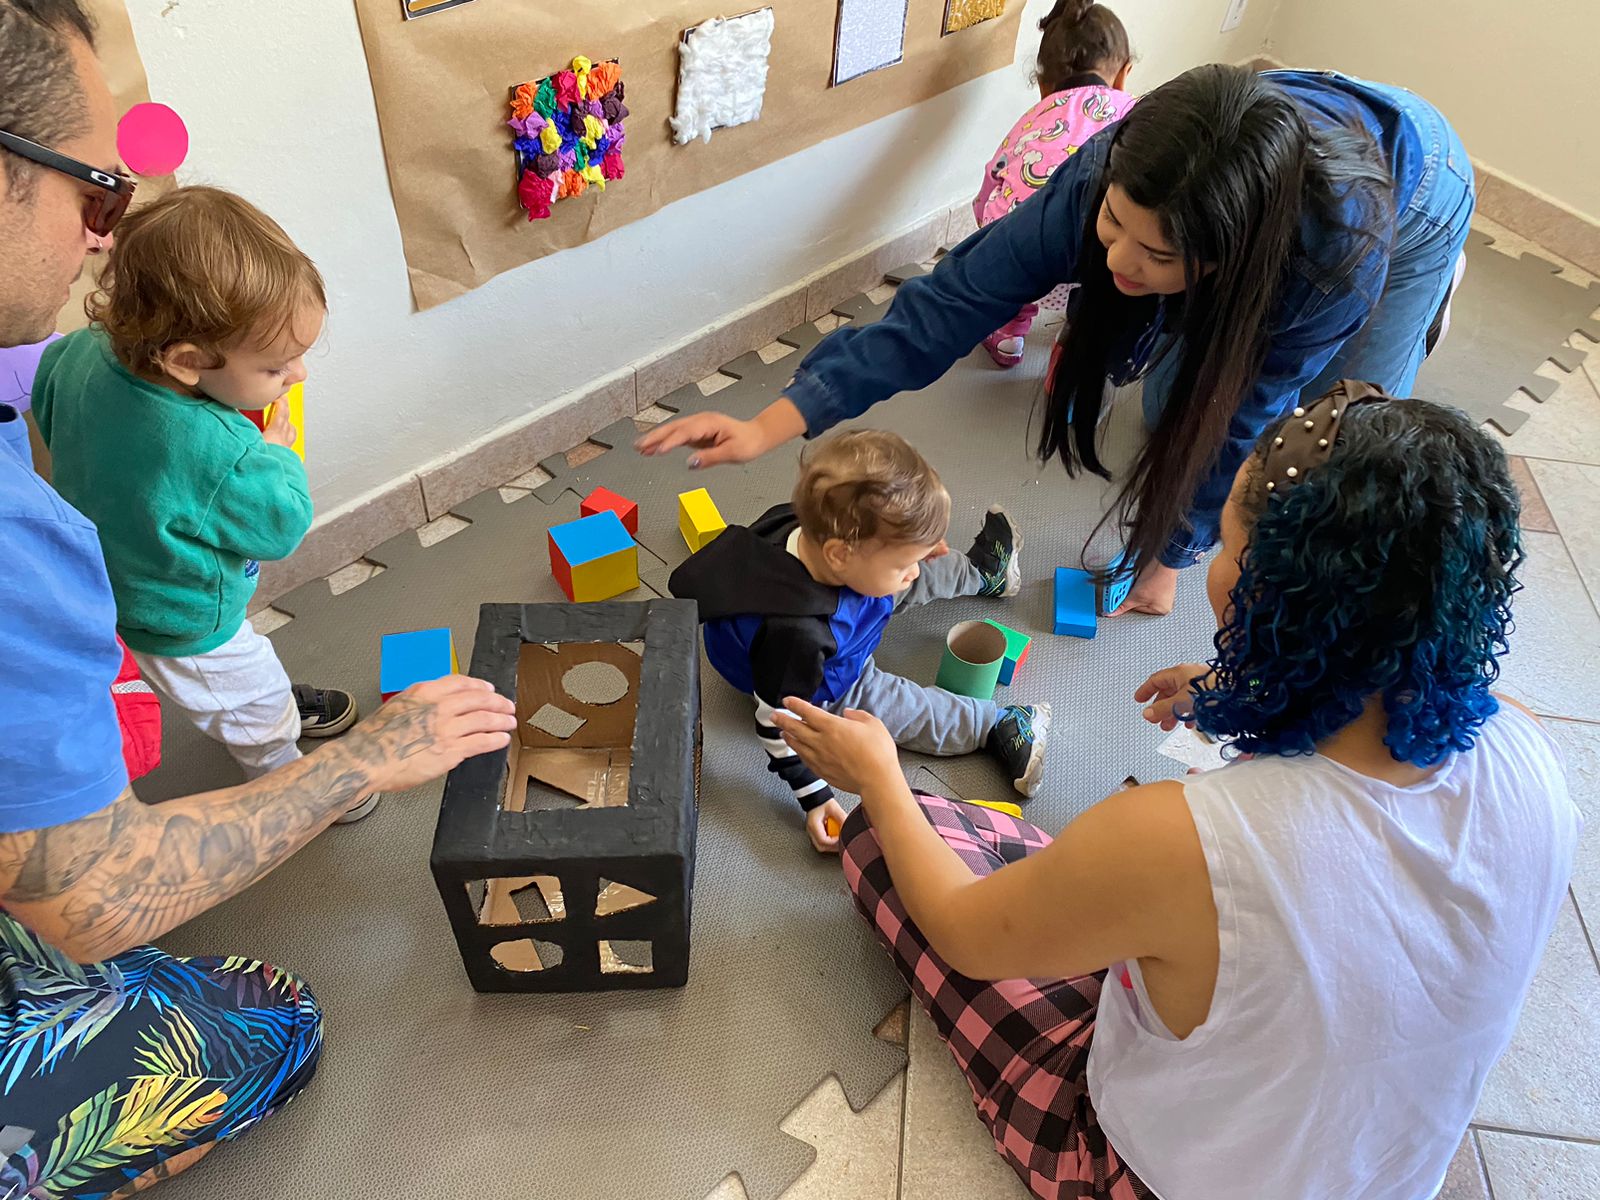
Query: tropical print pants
[{"x": 110, "y": 1069}]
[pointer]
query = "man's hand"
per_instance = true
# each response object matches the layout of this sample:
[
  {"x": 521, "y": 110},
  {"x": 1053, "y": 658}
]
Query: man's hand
[
  {"x": 1168, "y": 695},
  {"x": 718, "y": 438},
  {"x": 279, "y": 431},
  {"x": 430, "y": 728},
  {"x": 850, "y": 751}
]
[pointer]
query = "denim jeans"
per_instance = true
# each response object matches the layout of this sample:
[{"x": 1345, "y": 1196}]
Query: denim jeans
[{"x": 1429, "y": 237}]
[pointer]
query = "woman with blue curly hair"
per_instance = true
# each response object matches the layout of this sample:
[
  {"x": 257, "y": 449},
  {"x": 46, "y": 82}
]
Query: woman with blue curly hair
[{"x": 1288, "y": 977}]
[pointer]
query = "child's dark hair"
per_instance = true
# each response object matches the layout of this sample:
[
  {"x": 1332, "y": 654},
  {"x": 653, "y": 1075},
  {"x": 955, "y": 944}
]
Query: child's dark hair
[
  {"x": 1079, "y": 36},
  {"x": 1388, "y": 570},
  {"x": 1229, "y": 163}
]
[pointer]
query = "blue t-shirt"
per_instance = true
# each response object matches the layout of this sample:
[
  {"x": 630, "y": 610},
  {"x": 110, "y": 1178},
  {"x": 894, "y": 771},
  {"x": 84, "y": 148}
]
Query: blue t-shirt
[{"x": 60, "y": 744}]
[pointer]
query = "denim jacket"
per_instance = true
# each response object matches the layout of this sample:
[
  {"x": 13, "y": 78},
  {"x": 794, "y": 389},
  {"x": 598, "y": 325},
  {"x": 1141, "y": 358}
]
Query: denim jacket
[{"x": 981, "y": 284}]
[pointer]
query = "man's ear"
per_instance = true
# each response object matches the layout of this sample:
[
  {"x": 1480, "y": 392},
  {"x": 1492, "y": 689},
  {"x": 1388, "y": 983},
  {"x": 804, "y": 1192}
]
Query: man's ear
[{"x": 182, "y": 362}]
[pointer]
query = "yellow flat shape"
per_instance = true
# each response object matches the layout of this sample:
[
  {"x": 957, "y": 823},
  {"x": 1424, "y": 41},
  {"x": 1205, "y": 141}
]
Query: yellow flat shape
[
  {"x": 296, "y": 400},
  {"x": 698, "y": 518},
  {"x": 603, "y": 578},
  {"x": 1005, "y": 806}
]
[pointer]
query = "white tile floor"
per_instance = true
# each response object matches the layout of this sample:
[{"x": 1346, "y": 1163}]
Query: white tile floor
[{"x": 1537, "y": 1135}]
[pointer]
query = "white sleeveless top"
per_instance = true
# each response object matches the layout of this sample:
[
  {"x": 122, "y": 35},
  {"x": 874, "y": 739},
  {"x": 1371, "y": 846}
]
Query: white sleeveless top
[{"x": 1377, "y": 943}]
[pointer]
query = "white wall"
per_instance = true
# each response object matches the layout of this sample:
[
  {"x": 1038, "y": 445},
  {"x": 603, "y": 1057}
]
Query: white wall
[
  {"x": 279, "y": 108},
  {"x": 1518, "y": 80}
]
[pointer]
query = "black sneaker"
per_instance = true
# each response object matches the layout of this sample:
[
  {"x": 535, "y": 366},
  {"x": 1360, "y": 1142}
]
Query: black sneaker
[
  {"x": 994, "y": 552},
  {"x": 1017, "y": 740},
  {"x": 324, "y": 712}
]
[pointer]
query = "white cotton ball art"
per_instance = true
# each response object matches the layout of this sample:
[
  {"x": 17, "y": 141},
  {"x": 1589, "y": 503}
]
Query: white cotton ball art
[{"x": 722, "y": 75}]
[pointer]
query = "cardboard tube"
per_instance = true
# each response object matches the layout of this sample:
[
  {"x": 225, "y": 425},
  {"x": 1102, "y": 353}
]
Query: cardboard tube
[{"x": 973, "y": 655}]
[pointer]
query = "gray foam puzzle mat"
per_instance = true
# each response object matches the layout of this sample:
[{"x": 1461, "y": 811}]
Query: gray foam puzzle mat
[
  {"x": 1510, "y": 314},
  {"x": 429, "y": 1088}
]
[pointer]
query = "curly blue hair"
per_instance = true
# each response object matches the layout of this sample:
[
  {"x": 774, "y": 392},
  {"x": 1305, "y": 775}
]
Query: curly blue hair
[{"x": 1387, "y": 570}]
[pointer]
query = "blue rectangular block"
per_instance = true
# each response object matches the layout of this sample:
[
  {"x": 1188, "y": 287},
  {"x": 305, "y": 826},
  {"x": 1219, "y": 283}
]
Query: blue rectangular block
[
  {"x": 589, "y": 538},
  {"x": 407, "y": 658},
  {"x": 1074, "y": 603}
]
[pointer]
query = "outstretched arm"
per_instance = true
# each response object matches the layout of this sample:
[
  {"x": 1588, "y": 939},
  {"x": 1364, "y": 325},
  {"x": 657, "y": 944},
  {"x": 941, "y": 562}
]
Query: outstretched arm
[{"x": 112, "y": 880}]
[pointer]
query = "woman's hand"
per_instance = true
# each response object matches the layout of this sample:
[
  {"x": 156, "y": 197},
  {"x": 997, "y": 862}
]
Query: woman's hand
[
  {"x": 1168, "y": 696},
  {"x": 1153, "y": 592},
  {"x": 718, "y": 438},
  {"x": 852, "y": 752}
]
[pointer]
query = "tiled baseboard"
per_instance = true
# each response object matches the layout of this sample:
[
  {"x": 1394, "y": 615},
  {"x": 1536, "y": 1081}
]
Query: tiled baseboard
[{"x": 345, "y": 535}]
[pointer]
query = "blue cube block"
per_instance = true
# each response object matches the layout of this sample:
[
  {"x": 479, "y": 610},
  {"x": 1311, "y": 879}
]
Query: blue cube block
[
  {"x": 1074, "y": 607},
  {"x": 589, "y": 538},
  {"x": 407, "y": 658}
]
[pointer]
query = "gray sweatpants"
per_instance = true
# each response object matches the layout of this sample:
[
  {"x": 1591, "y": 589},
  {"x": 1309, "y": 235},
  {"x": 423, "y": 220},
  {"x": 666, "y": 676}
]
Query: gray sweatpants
[{"x": 928, "y": 720}]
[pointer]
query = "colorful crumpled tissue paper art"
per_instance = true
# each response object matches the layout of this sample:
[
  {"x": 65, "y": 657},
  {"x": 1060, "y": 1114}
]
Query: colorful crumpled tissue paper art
[
  {"x": 567, "y": 133},
  {"x": 722, "y": 74}
]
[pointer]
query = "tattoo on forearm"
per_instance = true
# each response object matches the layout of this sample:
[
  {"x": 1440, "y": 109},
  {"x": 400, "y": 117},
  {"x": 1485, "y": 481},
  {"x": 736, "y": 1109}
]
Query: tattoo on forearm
[{"x": 131, "y": 872}]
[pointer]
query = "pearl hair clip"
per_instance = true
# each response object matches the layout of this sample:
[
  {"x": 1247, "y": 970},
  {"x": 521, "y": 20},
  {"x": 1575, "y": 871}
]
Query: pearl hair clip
[{"x": 1308, "y": 438}]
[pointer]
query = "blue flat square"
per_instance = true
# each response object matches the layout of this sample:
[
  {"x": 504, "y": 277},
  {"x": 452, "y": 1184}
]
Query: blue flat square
[
  {"x": 407, "y": 658},
  {"x": 1074, "y": 603},
  {"x": 589, "y": 538}
]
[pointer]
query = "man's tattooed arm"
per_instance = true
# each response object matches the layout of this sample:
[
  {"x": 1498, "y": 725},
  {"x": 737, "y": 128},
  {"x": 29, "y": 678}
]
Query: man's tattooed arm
[{"x": 127, "y": 874}]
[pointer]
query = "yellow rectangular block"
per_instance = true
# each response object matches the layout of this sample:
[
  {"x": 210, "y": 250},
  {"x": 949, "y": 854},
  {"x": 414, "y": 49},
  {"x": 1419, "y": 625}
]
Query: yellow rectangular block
[
  {"x": 295, "y": 398},
  {"x": 698, "y": 518},
  {"x": 603, "y": 578},
  {"x": 1005, "y": 806}
]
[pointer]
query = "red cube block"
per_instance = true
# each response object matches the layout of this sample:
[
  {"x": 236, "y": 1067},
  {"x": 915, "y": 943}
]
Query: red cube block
[{"x": 605, "y": 500}]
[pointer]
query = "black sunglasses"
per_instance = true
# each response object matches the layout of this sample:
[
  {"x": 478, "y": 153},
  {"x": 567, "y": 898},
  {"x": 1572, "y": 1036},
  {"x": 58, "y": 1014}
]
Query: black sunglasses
[{"x": 101, "y": 211}]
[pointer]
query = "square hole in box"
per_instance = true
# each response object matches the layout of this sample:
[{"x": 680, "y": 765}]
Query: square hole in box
[
  {"x": 626, "y": 958},
  {"x": 576, "y": 706},
  {"x": 525, "y": 955},
  {"x": 517, "y": 900}
]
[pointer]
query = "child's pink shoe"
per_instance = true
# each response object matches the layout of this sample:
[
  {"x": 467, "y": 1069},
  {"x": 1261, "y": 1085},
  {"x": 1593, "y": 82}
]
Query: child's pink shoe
[{"x": 1006, "y": 351}]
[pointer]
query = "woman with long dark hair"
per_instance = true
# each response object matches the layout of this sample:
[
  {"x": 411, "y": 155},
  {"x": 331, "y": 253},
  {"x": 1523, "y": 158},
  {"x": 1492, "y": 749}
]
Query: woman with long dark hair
[
  {"x": 1288, "y": 977},
  {"x": 1239, "y": 241}
]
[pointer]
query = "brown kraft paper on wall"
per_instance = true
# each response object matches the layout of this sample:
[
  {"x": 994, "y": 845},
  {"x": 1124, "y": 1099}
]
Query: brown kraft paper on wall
[{"x": 443, "y": 87}]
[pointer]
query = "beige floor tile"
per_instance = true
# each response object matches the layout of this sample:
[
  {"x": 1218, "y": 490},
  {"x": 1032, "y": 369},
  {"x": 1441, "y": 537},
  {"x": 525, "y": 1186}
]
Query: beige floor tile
[
  {"x": 1535, "y": 512},
  {"x": 1564, "y": 427},
  {"x": 858, "y": 1154},
  {"x": 1581, "y": 744},
  {"x": 947, "y": 1153},
  {"x": 1464, "y": 1181},
  {"x": 1527, "y": 1168},
  {"x": 1514, "y": 243},
  {"x": 1549, "y": 1079},
  {"x": 353, "y": 575},
  {"x": 1572, "y": 491},
  {"x": 1549, "y": 667},
  {"x": 265, "y": 620}
]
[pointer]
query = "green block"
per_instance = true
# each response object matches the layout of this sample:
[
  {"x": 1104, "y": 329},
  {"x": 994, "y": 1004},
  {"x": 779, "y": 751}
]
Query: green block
[{"x": 1017, "y": 646}]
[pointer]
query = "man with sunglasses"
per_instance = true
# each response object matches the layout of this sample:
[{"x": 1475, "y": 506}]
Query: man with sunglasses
[{"x": 99, "y": 1031}]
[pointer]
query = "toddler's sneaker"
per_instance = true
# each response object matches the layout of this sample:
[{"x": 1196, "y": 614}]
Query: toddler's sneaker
[
  {"x": 1005, "y": 351},
  {"x": 363, "y": 808},
  {"x": 1017, "y": 740},
  {"x": 994, "y": 552},
  {"x": 324, "y": 712}
]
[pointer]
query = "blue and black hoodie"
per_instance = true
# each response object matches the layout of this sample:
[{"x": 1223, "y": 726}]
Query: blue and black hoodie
[{"x": 773, "y": 631}]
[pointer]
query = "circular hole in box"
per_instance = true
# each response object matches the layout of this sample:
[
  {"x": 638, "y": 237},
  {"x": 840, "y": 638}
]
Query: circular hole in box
[{"x": 977, "y": 643}]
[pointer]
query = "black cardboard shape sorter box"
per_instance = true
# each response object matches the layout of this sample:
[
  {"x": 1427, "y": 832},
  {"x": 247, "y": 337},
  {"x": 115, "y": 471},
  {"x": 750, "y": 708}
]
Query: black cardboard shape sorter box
[{"x": 566, "y": 862}]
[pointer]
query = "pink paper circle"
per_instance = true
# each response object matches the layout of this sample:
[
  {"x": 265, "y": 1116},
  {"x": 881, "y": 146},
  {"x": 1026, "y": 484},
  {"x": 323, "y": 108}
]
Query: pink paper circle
[{"x": 152, "y": 139}]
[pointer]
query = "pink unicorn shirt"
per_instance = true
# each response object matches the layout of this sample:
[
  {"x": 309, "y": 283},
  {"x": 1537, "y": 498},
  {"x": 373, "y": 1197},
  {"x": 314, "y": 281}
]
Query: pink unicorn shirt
[{"x": 1046, "y": 137}]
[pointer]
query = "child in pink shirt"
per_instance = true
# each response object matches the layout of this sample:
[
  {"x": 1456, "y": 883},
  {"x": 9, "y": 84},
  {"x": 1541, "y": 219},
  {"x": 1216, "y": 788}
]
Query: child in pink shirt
[{"x": 1083, "y": 66}]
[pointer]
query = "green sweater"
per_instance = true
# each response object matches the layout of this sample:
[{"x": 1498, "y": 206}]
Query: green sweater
[{"x": 185, "y": 493}]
